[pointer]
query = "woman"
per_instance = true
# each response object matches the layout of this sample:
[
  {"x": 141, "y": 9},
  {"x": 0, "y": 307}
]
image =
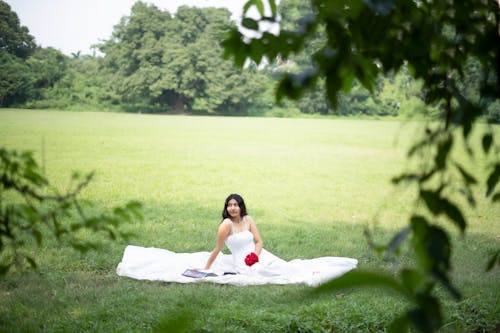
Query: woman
[
  {"x": 248, "y": 263},
  {"x": 238, "y": 231}
]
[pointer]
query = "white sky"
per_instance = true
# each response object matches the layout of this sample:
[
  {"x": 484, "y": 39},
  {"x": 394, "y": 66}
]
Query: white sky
[{"x": 75, "y": 25}]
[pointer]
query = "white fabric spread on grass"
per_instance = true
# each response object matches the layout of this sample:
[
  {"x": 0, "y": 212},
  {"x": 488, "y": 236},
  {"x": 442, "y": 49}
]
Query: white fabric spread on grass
[{"x": 162, "y": 265}]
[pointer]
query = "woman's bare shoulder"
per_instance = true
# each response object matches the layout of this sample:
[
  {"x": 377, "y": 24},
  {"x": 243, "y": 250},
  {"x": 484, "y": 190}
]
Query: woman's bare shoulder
[
  {"x": 249, "y": 219},
  {"x": 226, "y": 222}
]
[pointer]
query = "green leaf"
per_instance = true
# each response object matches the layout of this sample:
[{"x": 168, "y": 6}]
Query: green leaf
[
  {"x": 443, "y": 152},
  {"x": 126, "y": 235},
  {"x": 257, "y": 3},
  {"x": 135, "y": 208},
  {"x": 134, "y": 205},
  {"x": 34, "y": 177},
  {"x": 120, "y": 211},
  {"x": 437, "y": 246},
  {"x": 399, "y": 238},
  {"x": 441, "y": 275},
  {"x": 58, "y": 228},
  {"x": 92, "y": 222},
  {"x": 260, "y": 7},
  {"x": 4, "y": 269},
  {"x": 286, "y": 87},
  {"x": 493, "y": 180},
  {"x": 359, "y": 278},
  {"x": 418, "y": 221},
  {"x": 272, "y": 5},
  {"x": 31, "y": 261},
  {"x": 234, "y": 46},
  {"x": 412, "y": 280},
  {"x": 257, "y": 51},
  {"x": 247, "y": 6},
  {"x": 494, "y": 259},
  {"x": 431, "y": 244},
  {"x": 432, "y": 200},
  {"x": 111, "y": 233},
  {"x": 250, "y": 23},
  {"x": 76, "y": 226},
  {"x": 38, "y": 236},
  {"x": 487, "y": 142},
  {"x": 454, "y": 213},
  {"x": 438, "y": 205},
  {"x": 399, "y": 325},
  {"x": 468, "y": 178},
  {"x": 31, "y": 214},
  {"x": 427, "y": 316}
]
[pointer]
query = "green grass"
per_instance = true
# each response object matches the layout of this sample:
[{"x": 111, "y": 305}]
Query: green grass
[{"x": 312, "y": 185}]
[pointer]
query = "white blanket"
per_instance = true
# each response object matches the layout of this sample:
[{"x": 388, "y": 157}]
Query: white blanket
[{"x": 162, "y": 265}]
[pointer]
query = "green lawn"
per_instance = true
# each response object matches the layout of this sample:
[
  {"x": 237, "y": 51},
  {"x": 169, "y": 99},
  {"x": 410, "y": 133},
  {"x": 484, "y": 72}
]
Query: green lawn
[{"x": 312, "y": 185}]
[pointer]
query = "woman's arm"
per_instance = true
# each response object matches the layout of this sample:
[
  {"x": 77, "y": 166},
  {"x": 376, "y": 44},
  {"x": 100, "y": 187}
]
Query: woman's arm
[
  {"x": 256, "y": 235},
  {"x": 222, "y": 233}
]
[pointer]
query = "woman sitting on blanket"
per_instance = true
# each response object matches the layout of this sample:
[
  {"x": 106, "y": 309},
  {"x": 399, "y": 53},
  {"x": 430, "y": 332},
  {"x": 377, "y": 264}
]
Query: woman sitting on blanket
[
  {"x": 235, "y": 220},
  {"x": 248, "y": 263}
]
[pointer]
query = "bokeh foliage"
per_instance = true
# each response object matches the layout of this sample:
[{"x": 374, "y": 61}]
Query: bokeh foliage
[
  {"x": 32, "y": 210},
  {"x": 435, "y": 41}
]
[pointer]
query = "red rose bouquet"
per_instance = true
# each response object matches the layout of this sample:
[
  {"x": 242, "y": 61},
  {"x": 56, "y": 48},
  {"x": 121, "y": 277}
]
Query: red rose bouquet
[{"x": 251, "y": 259}]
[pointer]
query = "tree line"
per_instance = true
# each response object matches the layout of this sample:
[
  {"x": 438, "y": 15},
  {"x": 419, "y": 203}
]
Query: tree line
[{"x": 156, "y": 61}]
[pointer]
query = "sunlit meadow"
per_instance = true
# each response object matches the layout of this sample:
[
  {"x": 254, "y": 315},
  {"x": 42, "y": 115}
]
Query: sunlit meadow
[{"x": 312, "y": 185}]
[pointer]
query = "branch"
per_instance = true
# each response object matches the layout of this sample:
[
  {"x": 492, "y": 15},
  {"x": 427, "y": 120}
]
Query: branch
[{"x": 25, "y": 190}]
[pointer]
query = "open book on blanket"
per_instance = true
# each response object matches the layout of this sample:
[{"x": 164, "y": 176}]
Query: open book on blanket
[{"x": 194, "y": 273}]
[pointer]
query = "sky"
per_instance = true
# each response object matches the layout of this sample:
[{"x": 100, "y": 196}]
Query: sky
[{"x": 75, "y": 25}]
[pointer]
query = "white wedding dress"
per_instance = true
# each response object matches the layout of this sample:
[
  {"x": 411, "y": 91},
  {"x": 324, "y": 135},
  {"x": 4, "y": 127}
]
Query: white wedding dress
[{"x": 163, "y": 265}]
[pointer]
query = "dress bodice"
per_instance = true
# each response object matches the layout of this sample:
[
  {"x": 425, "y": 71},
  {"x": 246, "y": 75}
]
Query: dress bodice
[{"x": 240, "y": 244}]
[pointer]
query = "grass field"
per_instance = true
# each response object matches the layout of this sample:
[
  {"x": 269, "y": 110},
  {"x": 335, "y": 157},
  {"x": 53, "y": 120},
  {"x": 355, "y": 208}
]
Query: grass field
[{"x": 312, "y": 185}]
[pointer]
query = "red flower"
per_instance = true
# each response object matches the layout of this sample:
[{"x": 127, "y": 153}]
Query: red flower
[{"x": 251, "y": 259}]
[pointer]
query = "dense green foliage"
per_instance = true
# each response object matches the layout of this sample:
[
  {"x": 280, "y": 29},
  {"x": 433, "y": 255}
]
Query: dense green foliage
[
  {"x": 175, "y": 63},
  {"x": 14, "y": 38},
  {"x": 153, "y": 62},
  {"x": 156, "y": 61},
  {"x": 439, "y": 42},
  {"x": 26, "y": 70},
  {"x": 393, "y": 94}
]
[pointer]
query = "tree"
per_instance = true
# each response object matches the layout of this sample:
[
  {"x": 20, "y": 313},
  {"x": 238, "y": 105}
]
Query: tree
[
  {"x": 48, "y": 66},
  {"x": 16, "y": 80},
  {"x": 14, "y": 38},
  {"x": 16, "y": 44},
  {"x": 71, "y": 83},
  {"x": 26, "y": 70},
  {"x": 173, "y": 63},
  {"x": 133, "y": 54},
  {"x": 27, "y": 80},
  {"x": 435, "y": 40}
]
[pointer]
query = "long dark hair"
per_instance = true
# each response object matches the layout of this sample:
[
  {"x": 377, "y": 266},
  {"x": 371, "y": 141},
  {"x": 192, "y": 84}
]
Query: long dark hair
[{"x": 241, "y": 204}]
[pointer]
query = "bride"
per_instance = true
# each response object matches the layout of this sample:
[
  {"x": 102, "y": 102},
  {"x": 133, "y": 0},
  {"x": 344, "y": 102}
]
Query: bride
[{"x": 248, "y": 264}]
